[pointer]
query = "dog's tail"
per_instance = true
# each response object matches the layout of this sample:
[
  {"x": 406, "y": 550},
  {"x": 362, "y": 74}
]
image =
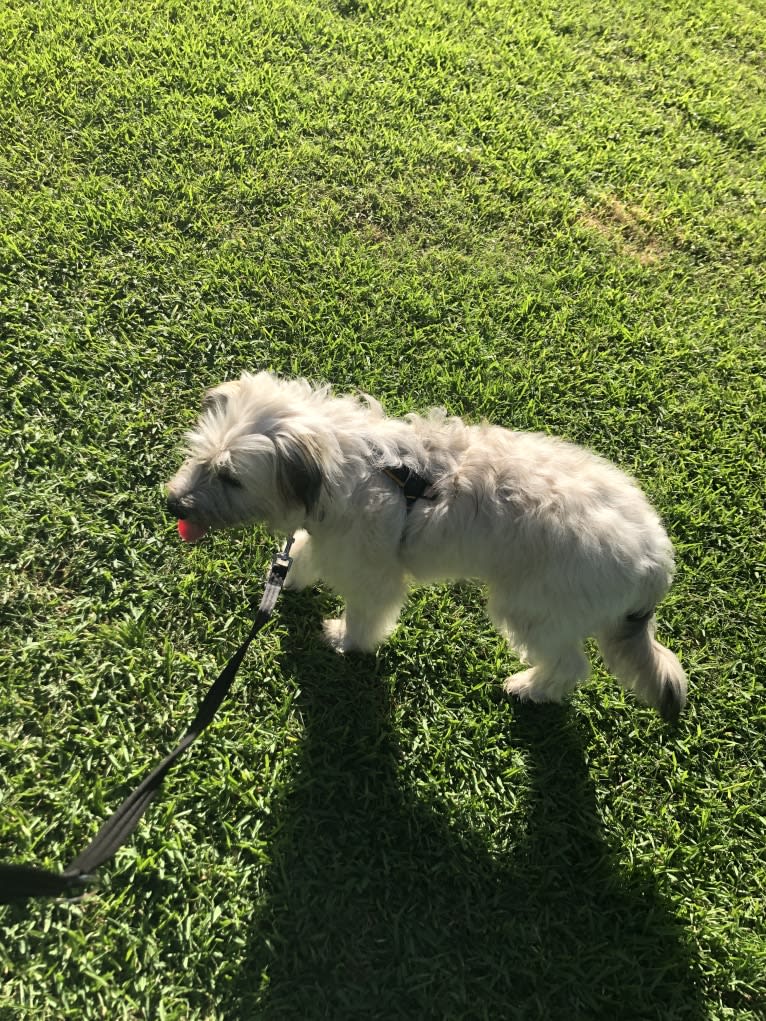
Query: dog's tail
[{"x": 632, "y": 652}]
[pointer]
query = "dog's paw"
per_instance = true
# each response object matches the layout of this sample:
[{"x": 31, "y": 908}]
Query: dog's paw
[
  {"x": 334, "y": 633},
  {"x": 523, "y": 687}
]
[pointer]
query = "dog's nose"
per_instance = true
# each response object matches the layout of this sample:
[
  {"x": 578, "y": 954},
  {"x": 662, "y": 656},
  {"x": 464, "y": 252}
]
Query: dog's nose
[{"x": 175, "y": 507}]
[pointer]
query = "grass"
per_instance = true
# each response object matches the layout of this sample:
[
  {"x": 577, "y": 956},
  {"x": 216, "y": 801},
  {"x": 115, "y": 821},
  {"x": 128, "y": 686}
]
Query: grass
[{"x": 550, "y": 214}]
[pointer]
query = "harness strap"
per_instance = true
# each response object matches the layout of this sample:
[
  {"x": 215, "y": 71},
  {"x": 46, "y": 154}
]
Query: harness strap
[
  {"x": 413, "y": 486},
  {"x": 18, "y": 882}
]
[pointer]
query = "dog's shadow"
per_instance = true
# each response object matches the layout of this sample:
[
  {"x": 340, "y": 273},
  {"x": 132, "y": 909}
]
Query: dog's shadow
[{"x": 377, "y": 906}]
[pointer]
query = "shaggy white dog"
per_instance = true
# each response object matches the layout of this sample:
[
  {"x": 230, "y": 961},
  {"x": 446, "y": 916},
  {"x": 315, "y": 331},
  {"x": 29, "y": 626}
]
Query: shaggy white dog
[{"x": 566, "y": 544}]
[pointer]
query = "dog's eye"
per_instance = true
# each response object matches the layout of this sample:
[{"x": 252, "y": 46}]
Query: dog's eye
[{"x": 229, "y": 480}]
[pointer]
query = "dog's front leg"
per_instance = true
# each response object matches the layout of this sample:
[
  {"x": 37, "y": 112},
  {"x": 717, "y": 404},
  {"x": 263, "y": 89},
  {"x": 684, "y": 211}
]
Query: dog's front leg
[
  {"x": 372, "y": 610},
  {"x": 303, "y": 571}
]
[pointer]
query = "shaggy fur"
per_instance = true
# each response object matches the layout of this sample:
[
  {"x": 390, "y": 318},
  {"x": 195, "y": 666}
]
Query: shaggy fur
[{"x": 565, "y": 543}]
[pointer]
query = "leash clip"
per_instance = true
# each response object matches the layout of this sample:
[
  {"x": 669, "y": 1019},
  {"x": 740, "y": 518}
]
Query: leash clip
[{"x": 282, "y": 559}]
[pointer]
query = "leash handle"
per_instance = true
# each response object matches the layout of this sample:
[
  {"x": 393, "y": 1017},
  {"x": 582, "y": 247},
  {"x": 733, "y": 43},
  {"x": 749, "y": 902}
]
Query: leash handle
[{"x": 19, "y": 882}]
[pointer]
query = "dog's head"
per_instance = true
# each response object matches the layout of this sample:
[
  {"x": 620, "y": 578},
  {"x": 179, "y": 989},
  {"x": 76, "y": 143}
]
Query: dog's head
[{"x": 257, "y": 453}]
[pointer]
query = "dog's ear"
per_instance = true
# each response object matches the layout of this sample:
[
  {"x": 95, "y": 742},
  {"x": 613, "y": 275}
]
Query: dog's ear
[
  {"x": 217, "y": 398},
  {"x": 298, "y": 471}
]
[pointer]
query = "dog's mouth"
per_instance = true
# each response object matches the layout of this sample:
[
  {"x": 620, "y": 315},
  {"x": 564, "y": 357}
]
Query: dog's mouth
[{"x": 190, "y": 531}]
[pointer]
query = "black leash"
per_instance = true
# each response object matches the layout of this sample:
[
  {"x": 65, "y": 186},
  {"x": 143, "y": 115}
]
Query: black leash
[{"x": 18, "y": 882}]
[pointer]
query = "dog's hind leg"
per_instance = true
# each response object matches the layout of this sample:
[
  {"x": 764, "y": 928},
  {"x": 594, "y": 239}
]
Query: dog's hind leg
[
  {"x": 553, "y": 674},
  {"x": 556, "y": 658}
]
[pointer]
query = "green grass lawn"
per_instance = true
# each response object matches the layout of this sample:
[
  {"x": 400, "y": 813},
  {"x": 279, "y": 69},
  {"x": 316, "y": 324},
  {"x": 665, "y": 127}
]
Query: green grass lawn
[{"x": 548, "y": 213}]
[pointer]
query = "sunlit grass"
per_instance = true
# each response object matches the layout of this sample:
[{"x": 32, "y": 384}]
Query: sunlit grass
[{"x": 548, "y": 215}]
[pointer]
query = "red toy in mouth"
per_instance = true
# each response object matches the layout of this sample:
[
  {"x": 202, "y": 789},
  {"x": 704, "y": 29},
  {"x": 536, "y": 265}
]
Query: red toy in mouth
[{"x": 191, "y": 532}]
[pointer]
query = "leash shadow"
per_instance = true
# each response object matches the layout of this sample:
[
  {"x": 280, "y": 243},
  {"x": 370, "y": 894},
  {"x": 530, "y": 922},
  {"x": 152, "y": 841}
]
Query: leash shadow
[{"x": 378, "y": 906}]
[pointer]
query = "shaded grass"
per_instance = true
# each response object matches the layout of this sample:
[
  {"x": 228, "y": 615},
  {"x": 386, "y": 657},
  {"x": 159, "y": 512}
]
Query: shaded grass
[{"x": 550, "y": 215}]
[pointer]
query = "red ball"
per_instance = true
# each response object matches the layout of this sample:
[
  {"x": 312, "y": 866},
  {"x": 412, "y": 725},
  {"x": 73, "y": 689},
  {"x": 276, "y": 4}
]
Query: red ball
[{"x": 191, "y": 532}]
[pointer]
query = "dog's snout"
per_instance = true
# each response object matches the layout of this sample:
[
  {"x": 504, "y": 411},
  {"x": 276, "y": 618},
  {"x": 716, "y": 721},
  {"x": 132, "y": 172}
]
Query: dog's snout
[{"x": 176, "y": 507}]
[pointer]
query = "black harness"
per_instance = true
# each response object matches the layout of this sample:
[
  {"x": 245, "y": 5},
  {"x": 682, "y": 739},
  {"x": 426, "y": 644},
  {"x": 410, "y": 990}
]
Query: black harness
[{"x": 413, "y": 486}]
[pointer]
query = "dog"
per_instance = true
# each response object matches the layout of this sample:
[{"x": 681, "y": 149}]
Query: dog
[{"x": 566, "y": 544}]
